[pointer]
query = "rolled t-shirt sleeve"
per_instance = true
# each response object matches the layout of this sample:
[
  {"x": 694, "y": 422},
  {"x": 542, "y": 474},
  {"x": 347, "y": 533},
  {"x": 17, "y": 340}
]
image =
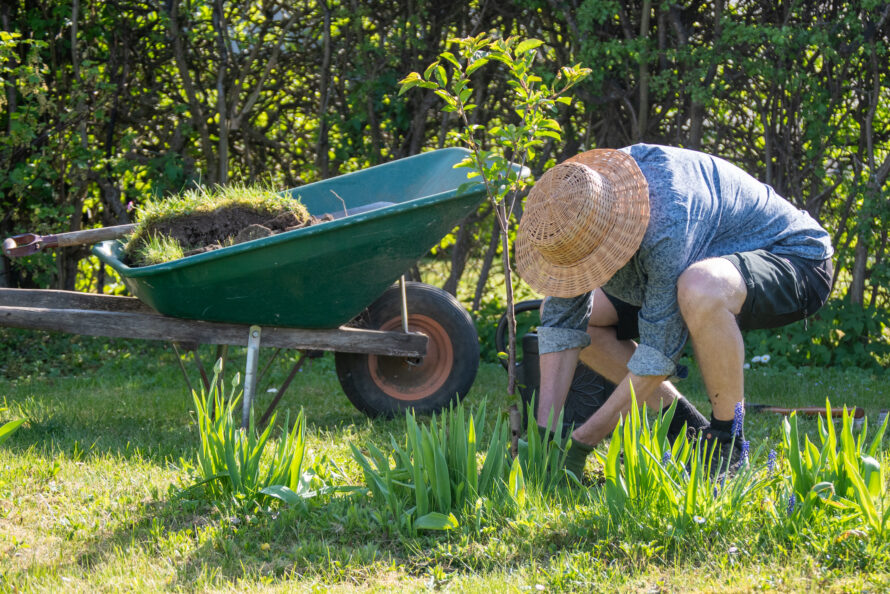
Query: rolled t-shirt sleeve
[
  {"x": 564, "y": 323},
  {"x": 661, "y": 343}
]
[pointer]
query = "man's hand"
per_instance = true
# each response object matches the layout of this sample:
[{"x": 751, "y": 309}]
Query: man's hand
[{"x": 604, "y": 421}]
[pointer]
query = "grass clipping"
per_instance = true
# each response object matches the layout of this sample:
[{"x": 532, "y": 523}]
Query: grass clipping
[{"x": 206, "y": 219}]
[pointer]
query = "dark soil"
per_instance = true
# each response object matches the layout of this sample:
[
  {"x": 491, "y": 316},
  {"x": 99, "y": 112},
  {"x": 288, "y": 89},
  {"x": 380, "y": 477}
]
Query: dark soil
[{"x": 204, "y": 232}]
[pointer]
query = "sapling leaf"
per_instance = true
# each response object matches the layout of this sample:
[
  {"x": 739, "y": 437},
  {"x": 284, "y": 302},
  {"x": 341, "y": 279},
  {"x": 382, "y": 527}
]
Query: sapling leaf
[
  {"x": 528, "y": 45},
  {"x": 450, "y": 57},
  {"x": 441, "y": 75},
  {"x": 475, "y": 65}
]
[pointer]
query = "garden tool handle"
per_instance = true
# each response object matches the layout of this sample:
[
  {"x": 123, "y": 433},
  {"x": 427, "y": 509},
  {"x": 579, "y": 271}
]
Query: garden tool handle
[
  {"x": 31, "y": 243},
  {"x": 856, "y": 411}
]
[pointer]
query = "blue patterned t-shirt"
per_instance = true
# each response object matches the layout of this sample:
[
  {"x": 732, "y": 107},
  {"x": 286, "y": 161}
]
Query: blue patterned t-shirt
[{"x": 700, "y": 207}]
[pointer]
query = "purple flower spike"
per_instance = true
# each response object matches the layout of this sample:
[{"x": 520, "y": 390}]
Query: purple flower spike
[
  {"x": 771, "y": 462},
  {"x": 746, "y": 446},
  {"x": 666, "y": 457},
  {"x": 792, "y": 501},
  {"x": 738, "y": 419}
]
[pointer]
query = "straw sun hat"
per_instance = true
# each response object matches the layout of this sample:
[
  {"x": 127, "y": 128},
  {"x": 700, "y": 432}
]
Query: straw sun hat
[{"x": 583, "y": 220}]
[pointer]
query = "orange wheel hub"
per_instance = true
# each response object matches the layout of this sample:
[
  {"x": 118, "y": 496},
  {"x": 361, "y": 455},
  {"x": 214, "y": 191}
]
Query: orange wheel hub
[{"x": 410, "y": 379}]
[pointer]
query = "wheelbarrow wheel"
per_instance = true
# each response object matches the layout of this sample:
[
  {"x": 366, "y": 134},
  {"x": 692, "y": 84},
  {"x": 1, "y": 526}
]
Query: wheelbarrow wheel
[{"x": 385, "y": 386}]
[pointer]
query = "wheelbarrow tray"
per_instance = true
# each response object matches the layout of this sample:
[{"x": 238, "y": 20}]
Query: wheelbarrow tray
[{"x": 323, "y": 275}]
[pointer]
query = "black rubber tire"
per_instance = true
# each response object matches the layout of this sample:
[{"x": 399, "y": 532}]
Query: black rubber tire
[{"x": 387, "y": 386}]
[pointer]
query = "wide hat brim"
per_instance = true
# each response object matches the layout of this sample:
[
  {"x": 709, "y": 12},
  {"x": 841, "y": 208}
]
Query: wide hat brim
[{"x": 630, "y": 218}]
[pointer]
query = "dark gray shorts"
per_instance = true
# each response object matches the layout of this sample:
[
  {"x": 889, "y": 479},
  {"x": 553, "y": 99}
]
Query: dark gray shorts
[{"x": 781, "y": 290}]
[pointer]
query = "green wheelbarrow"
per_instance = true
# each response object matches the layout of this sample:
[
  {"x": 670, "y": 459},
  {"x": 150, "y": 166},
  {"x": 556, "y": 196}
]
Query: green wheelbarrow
[{"x": 341, "y": 274}]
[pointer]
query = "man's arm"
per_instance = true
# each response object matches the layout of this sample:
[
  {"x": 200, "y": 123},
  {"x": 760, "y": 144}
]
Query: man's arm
[{"x": 603, "y": 422}]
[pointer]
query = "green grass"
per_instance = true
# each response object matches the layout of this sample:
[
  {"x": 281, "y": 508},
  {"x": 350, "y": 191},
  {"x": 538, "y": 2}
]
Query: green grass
[
  {"x": 146, "y": 247},
  {"x": 91, "y": 495}
]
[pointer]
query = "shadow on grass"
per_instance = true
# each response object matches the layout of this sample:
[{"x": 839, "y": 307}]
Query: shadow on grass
[{"x": 329, "y": 541}]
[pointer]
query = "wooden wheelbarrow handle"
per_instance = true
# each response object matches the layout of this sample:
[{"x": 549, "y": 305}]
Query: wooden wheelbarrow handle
[
  {"x": 856, "y": 411},
  {"x": 31, "y": 243}
]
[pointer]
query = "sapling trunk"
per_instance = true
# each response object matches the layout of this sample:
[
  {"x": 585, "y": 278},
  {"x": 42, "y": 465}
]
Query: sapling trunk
[
  {"x": 533, "y": 100},
  {"x": 508, "y": 282}
]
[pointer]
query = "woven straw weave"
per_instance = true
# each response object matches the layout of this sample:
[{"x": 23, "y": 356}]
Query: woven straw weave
[{"x": 583, "y": 220}]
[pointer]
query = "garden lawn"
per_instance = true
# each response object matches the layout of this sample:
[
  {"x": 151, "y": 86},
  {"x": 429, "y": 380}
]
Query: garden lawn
[{"x": 91, "y": 496}]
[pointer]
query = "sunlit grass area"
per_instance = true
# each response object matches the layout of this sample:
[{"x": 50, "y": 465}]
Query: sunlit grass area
[{"x": 93, "y": 495}]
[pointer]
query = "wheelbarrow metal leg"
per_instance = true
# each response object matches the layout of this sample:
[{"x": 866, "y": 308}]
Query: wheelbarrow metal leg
[
  {"x": 404, "y": 303},
  {"x": 253, "y": 351},
  {"x": 262, "y": 374},
  {"x": 200, "y": 365},
  {"x": 182, "y": 367},
  {"x": 293, "y": 373}
]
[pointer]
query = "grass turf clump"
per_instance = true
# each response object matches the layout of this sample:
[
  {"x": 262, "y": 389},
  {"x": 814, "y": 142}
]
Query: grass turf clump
[{"x": 204, "y": 219}]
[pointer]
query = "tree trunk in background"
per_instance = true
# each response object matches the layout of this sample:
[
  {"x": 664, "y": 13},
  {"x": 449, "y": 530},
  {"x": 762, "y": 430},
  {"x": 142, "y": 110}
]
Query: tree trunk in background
[
  {"x": 321, "y": 156},
  {"x": 222, "y": 62},
  {"x": 460, "y": 251},
  {"x": 643, "y": 108},
  {"x": 141, "y": 100},
  {"x": 860, "y": 261}
]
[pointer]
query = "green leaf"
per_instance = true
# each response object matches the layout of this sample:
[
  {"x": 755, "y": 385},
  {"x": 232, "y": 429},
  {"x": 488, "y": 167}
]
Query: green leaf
[
  {"x": 409, "y": 82},
  {"x": 441, "y": 75},
  {"x": 450, "y": 57},
  {"x": 9, "y": 428},
  {"x": 516, "y": 483},
  {"x": 528, "y": 45},
  {"x": 286, "y": 494},
  {"x": 436, "y": 521},
  {"x": 862, "y": 494},
  {"x": 429, "y": 70},
  {"x": 476, "y": 65}
]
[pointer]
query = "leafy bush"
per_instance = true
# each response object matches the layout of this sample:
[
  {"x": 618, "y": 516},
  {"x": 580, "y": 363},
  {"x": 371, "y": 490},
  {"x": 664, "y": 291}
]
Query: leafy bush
[
  {"x": 841, "y": 333},
  {"x": 844, "y": 473},
  {"x": 541, "y": 459},
  {"x": 645, "y": 473},
  {"x": 233, "y": 464},
  {"x": 440, "y": 470},
  {"x": 653, "y": 490}
]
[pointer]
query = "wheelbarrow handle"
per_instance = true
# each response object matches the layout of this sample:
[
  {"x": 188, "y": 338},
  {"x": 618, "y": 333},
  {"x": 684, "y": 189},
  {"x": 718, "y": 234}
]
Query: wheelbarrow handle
[{"x": 31, "y": 243}]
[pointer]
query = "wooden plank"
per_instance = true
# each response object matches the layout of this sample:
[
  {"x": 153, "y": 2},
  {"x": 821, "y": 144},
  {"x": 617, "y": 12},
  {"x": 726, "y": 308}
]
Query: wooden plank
[
  {"x": 70, "y": 300},
  {"x": 158, "y": 327}
]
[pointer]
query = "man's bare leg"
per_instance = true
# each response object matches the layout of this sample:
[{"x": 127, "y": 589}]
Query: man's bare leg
[
  {"x": 711, "y": 293},
  {"x": 557, "y": 372}
]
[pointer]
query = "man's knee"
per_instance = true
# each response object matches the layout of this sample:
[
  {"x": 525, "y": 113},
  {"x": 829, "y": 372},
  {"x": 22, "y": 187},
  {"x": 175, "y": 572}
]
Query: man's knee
[
  {"x": 708, "y": 287},
  {"x": 602, "y": 312}
]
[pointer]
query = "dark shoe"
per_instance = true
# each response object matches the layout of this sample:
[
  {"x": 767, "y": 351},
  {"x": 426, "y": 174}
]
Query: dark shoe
[
  {"x": 722, "y": 452},
  {"x": 690, "y": 434},
  {"x": 687, "y": 421},
  {"x": 576, "y": 453},
  {"x": 576, "y": 458}
]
